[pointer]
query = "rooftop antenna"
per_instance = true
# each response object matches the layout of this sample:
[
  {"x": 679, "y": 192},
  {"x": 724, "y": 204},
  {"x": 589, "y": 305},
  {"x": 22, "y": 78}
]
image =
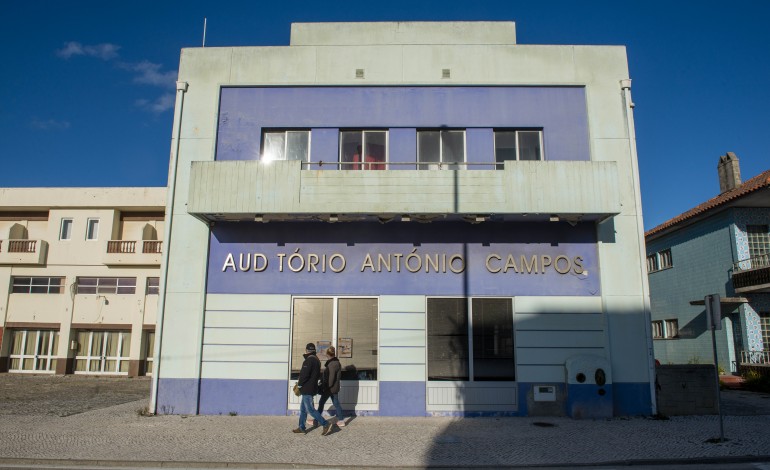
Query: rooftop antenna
[{"x": 204, "y": 31}]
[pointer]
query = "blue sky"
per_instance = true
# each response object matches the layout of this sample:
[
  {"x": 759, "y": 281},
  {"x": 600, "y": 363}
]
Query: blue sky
[{"x": 86, "y": 88}]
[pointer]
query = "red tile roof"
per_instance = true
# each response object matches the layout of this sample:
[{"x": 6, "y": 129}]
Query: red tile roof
[{"x": 760, "y": 181}]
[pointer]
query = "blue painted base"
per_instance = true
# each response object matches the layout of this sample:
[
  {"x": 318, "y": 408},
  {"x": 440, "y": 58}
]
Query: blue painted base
[
  {"x": 402, "y": 399},
  {"x": 589, "y": 401},
  {"x": 632, "y": 399},
  {"x": 244, "y": 397},
  {"x": 177, "y": 397}
]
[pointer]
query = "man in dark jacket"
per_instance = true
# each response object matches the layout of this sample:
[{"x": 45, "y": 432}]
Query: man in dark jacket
[
  {"x": 308, "y": 386},
  {"x": 331, "y": 385}
]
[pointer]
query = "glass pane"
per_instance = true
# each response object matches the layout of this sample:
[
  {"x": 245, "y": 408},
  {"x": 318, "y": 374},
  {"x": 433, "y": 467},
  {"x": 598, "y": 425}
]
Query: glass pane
[
  {"x": 18, "y": 342},
  {"x": 95, "y": 365},
  {"x": 357, "y": 327},
  {"x": 312, "y": 322},
  {"x": 529, "y": 145},
  {"x": 97, "y": 343},
  {"x": 453, "y": 147},
  {"x": 505, "y": 147},
  {"x": 53, "y": 363},
  {"x": 27, "y": 364},
  {"x": 124, "y": 366},
  {"x": 273, "y": 147},
  {"x": 15, "y": 364},
  {"x": 80, "y": 365},
  {"x": 93, "y": 229},
  {"x": 66, "y": 229},
  {"x": 82, "y": 343},
  {"x": 86, "y": 281},
  {"x": 39, "y": 281},
  {"x": 39, "y": 290},
  {"x": 447, "y": 339},
  {"x": 112, "y": 344},
  {"x": 55, "y": 347},
  {"x": 493, "y": 340},
  {"x": 428, "y": 149},
  {"x": 110, "y": 366},
  {"x": 44, "y": 343},
  {"x": 126, "y": 290},
  {"x": 150, "y": 351},
  {"x": 376, "y": 142},
  {"x": 42, "y": 363},
  {"x": 126, "y": 345},
  {"x": 297, "y": 145},
  {"x": 29, "y": 348},
  {"x": 351, "y": 143}
]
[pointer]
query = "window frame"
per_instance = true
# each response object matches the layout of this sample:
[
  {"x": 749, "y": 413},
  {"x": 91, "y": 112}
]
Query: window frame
[
  {"x": 149, "y": 287},
  {"x": 70, "y": 222},
  {"x": 102, "y": 285},
  {"x": 285, "y": 132},
  {"x": 470, "y": 353},
  {"x": 89, "y": 221},
  {"x": 500, "y": 164},
  {"x": 15, "y": 286},
  {"x": 48, "y": 358},
  {"x": 103, "y": 359},
  {"x": 758, "y": 240},
  {"x": 660, "y": 261},
  {"x": 441, "y": 164},
  {"x": 363, "y": 165}
]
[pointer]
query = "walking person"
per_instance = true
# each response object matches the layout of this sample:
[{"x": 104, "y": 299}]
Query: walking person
[
  {"x": 308, "y": 386},
  {"x": 330, "y": 385}
]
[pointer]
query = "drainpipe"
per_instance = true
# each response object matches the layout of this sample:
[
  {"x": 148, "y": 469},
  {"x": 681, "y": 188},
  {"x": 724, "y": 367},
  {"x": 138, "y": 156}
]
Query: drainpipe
[
  {"x": 181, "y": 89},
  {"x": 625, "y": 85}
]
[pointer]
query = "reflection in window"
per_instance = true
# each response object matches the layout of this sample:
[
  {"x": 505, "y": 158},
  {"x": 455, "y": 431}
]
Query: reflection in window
[
  {"x": 286, "y": 145},
  {"x": 447, "y": 339},
  {"x": 37, "y": 285},
  {"x": 440, "y": 149},
  {"x": 518, "y": 145},
  {"x": 363, "y": 150},
  {"x": 312, "y": 323},
  {"x": 450, "y": 357}
]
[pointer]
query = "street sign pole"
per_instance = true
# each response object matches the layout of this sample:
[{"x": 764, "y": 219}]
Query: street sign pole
[{"x": 714, "y": 319}]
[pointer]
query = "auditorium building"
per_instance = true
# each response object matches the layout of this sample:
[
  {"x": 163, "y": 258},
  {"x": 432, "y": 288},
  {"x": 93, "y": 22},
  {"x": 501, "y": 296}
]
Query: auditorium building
[{"x": 458, "y": 214}]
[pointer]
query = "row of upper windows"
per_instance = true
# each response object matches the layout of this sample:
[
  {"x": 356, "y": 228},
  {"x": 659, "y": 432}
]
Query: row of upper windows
[
  {"x": 85, "y": 285},
  {"x": 436, "y": 149}
]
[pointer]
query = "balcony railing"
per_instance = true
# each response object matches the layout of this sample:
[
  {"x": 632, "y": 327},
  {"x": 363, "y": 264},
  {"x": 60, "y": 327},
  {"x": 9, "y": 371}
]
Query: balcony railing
[
  {"x": 22, "y": 246},
  {"x": 14, "y": 251},
  {"x": 755, "y": 357},
  {"x": 121, "y": 246},
  {"x": 752, "y": 274},
  {"x": 152, "y": 246}
]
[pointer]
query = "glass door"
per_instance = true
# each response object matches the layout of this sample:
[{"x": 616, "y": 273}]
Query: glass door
[
  {"x": 103, "y": 352},
  {"x": 34, "y": 351}
]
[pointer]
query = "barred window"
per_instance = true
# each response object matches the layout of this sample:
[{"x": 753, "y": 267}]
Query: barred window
[
  {"x": 37, "y": 285},
  {"x": 106, "y": 285},
  {"x": 660, "y": 261},
  {"x": 672, "y": 329},
  {"x": 759, "y": 240}
]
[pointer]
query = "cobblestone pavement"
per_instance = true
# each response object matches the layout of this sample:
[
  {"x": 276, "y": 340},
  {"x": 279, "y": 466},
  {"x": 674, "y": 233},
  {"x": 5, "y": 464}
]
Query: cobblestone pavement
[{"x": 96, "y": 424}]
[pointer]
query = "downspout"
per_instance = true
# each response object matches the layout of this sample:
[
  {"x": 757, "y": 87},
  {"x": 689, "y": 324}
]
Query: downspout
[
  {"x": 181, "y": 89},
  {"x": 629, "y": 105}
]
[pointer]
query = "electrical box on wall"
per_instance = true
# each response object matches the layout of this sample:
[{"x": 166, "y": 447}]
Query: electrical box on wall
[{"x": 545, "y": 393}]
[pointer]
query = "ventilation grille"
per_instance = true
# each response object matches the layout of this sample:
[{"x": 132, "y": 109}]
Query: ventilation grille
[
  {"x": 359, "y": 73},
  {"x": 446, "y": 73}
]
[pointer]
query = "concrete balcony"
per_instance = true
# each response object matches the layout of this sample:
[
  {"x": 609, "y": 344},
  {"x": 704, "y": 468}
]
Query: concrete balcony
[
  {"x": 282, "y": 190},
  {"x": 133, "y": 253},
  {"x": 752, "y": 275},
  {"x": 25, "y": 252}
]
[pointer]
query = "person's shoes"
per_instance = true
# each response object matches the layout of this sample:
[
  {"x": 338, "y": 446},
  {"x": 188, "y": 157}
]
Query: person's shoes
[
  {"x": 341, "y": 423},
  {"x": 312, "y": 423},
  {"x": 298, "y": 431},
  {"x": 327, "y": 429}
]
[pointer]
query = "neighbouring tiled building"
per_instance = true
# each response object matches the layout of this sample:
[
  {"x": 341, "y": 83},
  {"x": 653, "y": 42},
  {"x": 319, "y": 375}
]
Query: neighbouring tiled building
[
  {"x": 719, "y": 247},
  {"x": 458, "y": 214},
  {"x": 79, "y": 279}
]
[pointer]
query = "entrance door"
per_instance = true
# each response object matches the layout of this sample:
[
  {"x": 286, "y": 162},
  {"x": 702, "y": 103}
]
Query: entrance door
[
  {"x": 103, "y": 352},
  {"x": 351, "y": 326},
  {"x": 34, "y": 351}
]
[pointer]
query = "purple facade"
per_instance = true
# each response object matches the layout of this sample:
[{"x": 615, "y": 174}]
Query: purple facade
[
  {"x": 559, "y": 111},
  {"x": 443, "y": 258}
]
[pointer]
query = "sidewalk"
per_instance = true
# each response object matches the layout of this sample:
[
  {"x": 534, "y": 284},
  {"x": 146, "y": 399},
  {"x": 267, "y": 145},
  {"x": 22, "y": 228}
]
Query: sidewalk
[{"x": 118, "y": 435}]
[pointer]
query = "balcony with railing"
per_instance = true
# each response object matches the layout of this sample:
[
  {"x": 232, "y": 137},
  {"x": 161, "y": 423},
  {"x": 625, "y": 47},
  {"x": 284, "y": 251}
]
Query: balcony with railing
[
  {"x": 752, "y": 275},
  {"x": 133, "y": 252},
  {"x": 29, "y": 252}
]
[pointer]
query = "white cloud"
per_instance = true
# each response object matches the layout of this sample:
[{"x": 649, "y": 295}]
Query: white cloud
[
  {"x": 150, "y": 74},
  {"x": 161, "y": 104},
  {"x": 49, "y": 124},
  {"x": 104, "y": 51}
]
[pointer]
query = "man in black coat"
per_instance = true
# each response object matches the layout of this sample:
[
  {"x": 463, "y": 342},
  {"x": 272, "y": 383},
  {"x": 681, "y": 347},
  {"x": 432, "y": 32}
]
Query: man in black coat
[{"x": 308, "y": 386}]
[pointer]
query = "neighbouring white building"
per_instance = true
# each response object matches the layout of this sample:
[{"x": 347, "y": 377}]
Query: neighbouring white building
[
  {"x": 79, "y": 279},
  {"x": 457, "y": 213}
]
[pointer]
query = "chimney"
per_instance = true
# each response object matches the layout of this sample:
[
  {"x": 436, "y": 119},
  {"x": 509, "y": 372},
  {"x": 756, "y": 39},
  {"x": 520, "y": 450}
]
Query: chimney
[{"x": 729, "y": 172}]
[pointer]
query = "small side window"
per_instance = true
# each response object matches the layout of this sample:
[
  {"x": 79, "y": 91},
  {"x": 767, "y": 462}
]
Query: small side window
[
  {"x": 65, "y": 233},
  {"x": 92, "y": 229}
]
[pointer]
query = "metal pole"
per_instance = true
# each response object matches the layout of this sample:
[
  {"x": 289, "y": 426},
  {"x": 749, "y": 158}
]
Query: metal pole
[{"x": 716, "y": 374}]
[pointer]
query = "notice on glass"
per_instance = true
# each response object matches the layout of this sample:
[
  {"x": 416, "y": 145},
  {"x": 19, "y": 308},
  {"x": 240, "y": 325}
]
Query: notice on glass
[
  {"x": 345, "y": 347},
  {"x": 321, "y": 347}
]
